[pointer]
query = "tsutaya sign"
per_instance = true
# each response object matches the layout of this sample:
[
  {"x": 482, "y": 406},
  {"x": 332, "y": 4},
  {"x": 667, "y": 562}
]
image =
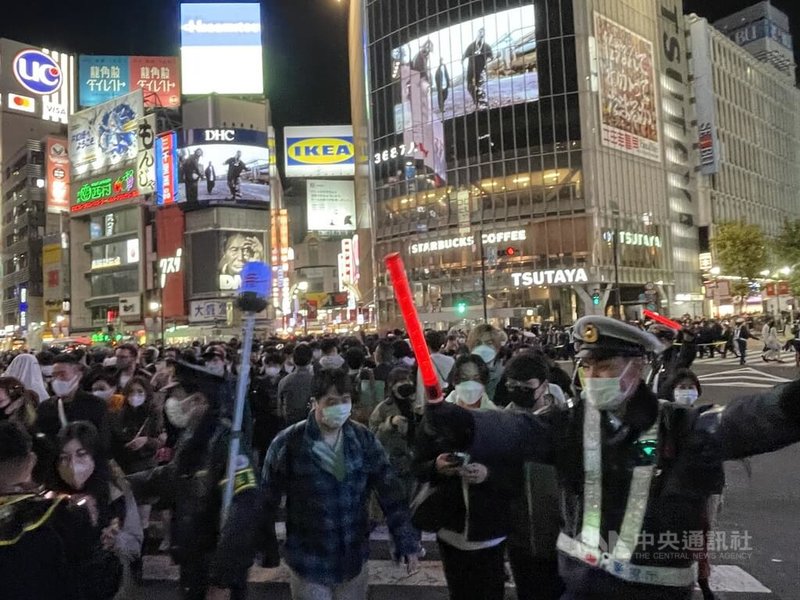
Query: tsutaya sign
[
  {"x": 467, "y": 241},
  {"x": 551, "y": 277},
  {"x": 634, "y": 239}
]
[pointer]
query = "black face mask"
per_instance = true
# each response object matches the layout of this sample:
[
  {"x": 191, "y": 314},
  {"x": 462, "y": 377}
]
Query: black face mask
[
  {"x": 524, "y": 398},
  {"x": 405, "y": 390}
]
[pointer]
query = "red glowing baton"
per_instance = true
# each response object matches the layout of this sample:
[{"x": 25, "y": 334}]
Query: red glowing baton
[
  {"x": 662, "y": 320},
  {"x": 402, "y": 292}
]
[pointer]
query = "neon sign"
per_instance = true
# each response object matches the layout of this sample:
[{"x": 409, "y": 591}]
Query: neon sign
[{"x": 94, "y": 194}]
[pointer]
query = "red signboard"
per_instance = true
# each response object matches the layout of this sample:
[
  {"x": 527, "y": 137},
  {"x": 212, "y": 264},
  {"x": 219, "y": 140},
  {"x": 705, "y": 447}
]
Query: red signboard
[
  {"x": 780, "y": 288},
  {"x": 159, "y": 78},
  {"x": 57, "y": 168},
  {"x": 170, "y": 227}
]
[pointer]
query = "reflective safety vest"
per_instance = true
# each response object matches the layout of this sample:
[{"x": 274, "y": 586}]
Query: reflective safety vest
[{"x": 587, "y": 548}]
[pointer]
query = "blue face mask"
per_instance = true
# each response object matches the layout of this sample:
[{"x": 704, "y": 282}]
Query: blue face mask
[
  {"x": 335, "y": 416},
  {"x": 486, "y": 352}
]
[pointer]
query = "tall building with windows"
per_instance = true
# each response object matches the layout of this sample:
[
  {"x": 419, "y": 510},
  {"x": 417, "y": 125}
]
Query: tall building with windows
[
  {"x": 526, "y": 155},
  {"x": 749, "y": 127}
]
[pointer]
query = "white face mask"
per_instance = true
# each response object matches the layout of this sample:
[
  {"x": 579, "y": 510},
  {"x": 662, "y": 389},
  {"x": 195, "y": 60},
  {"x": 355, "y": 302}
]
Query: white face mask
[
  {"x": 288, "y": 367},
  {"x": 76, "y": 473},
  {"x": 606, "y": 393},
  {"x": 408, "y": 361},
  {"x": 217, "y": 369},
  {"x": 316, "y": 354},
  {"x": 103, "y": 394},
  {"x": 469, "y": 392},
  {"x": 64, "y": 388},
  {"x": 335, "y": 416},
  {"x": 487, "y": 353},
  {"x": 686, "y": 396},
  {"x": 174, "y": 410},
  {"x": 272, "y": 371},
  {"x": 136, "y": 400}
]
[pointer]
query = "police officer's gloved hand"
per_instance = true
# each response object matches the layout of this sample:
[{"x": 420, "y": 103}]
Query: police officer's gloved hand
[
  {"x": 688, "y": 334},
  {"x": 451, "y": 424}
]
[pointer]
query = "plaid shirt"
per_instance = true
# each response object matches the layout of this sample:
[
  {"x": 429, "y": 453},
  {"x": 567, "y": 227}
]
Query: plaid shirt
[{"x": 327, "y": 523}]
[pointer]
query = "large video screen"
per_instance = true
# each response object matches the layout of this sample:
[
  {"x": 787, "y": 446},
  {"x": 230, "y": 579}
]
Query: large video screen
[
  {"x": 223, "y": 165},
  {"x": 482, "y": 63},
  {"x": 221, "y": 49},
  {"x": 218, "y": 258}
]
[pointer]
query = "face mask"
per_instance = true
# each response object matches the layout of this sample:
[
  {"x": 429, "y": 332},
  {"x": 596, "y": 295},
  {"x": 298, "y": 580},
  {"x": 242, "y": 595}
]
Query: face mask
[
  {"x": 407, "y": 361},
  {"x": 64, "y": 388},
  {"x": 77, "y": 473},
  {"x": 123, "y": 380},
  {"x": 103, "y": 394},
  {"x": 175, "y": 413},
  {"x": 605, "y": 393},
  {"x": 316, "y": 354},
  {"x": 469, "y": 392},
  {"x": 272, "y": 371},
  {"x": 523, "y": 398},
  {"x": 288, "y": 367},
  {"x": 405, "y": 390},
  {"x": 217, "y": 369},
  {"x": 487, "y": 353},
  {"x": 136, "y": 400},
  {"x": 686, "y": 396},
  {"x": 335, "y": 416},
  {"x": 47, "y": 371}
]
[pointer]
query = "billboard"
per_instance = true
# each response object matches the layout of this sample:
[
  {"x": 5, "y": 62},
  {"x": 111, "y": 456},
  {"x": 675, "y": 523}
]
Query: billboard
[
  {"x": 106, "y": 189},
  {"x": 223, "y": 165},
  {"x": 37, "y": 81},
  {"x": 221, "y": 49},
  {"x": 325, "y": 151},
  {"x": 219, "y": 256},
  {"x": 103, "y": 78},
  {"x": 104, "y": 137},
  {"x": 331, "y": 205},
  {"x": 708, "y": 142},
  {"x": 627, "y": 90},
  {"x": 170, "y": 227},
  {"x": 57, "y": 169},
  {"x": 166, "y": 168},
  {"x": 146, "y": 155}
]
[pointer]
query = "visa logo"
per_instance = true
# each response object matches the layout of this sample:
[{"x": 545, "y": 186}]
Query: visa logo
[
  {"x": 37, "y": 72},
  {"x": 320, "y": 151}
]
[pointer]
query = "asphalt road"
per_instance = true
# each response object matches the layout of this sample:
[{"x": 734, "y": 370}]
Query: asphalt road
[{"x": 761, "y": 511}]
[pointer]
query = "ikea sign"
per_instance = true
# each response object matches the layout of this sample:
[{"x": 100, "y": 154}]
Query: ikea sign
[{"x": 320, "y": 151}]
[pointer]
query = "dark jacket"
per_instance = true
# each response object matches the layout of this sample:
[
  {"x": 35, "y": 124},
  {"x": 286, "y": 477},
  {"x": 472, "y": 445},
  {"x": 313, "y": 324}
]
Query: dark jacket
[
  {"x": 45, "y": 547},
  {"x": 486, "y": 521},
  {"x": 127, "y": 424},
  {"x": 692, "y": 445}
]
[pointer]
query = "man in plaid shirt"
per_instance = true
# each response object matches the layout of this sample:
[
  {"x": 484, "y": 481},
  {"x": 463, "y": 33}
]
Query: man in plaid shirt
[{"x": 327, "y": 466}]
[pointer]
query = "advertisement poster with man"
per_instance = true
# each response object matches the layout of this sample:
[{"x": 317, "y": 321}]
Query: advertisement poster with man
[
  {"x": 481, "y": 64},
  {"x": 223, "y": 165},
  {"x": 628, "y": 114},
  {"x": 218, "y": 258}
]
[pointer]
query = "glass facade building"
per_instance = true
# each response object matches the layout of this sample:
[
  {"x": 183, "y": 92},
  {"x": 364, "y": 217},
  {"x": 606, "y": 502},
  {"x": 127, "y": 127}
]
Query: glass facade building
[{"x": 489, "y": 172}]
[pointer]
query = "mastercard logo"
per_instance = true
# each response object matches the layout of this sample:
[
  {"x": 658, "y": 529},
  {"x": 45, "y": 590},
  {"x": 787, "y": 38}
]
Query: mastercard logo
[{"x": 21, "y": 103}]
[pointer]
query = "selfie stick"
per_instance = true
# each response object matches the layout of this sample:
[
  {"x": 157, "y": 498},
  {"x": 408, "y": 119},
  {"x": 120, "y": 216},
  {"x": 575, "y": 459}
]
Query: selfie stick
[{"x": 402, "y": 292}]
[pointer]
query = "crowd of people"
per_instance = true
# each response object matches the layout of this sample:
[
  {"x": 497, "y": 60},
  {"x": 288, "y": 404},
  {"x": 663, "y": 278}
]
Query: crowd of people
[{"x": 98, "y": 444}]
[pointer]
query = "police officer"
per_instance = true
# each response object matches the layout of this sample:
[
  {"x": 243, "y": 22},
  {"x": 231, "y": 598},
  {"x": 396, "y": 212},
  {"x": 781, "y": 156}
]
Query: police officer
[{"x": 635, "y": 473}]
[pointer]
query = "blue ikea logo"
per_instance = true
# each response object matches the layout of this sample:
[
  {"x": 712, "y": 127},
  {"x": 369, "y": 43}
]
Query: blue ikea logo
[
  {"x": 37, "y": 72},
  {"x": 337, "y": 150}
]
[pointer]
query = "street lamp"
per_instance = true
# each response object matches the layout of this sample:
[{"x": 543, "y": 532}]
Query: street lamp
[{"x": 156, "y": 308}]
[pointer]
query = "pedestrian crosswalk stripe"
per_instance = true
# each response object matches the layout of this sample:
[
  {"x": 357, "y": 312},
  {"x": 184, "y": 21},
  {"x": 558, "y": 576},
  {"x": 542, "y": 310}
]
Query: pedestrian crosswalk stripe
[
  {"x": 745, "y": 377},
  {"x": 724, "y": 578}
]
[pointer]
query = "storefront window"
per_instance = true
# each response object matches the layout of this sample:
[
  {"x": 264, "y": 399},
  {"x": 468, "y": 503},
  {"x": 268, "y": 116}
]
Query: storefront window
[
  {"x": 119, "y": 282},
  {"x": 116, "y": 254},
  {"x": 123, "y": 221}
]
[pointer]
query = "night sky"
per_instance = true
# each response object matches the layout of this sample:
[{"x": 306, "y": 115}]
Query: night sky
[{"x": 306, "y": 55}]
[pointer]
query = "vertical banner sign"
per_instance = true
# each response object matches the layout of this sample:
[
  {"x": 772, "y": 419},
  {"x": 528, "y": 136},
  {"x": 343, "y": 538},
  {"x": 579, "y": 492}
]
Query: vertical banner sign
[
  {"x": 166, "y": 168},
  {"x": 58, "y": 175},
  {"x": 704, "y": 98},
  {"x": 462, "y": 199},
  {"x": 146, "y": 157},
  {"x": 627, "y": 90},
  {"x": 279, "y": 259}
]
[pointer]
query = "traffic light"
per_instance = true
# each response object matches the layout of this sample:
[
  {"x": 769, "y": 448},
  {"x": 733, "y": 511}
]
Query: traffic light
[
  {"x": 596, "y": 298},
  {"x": 461, "y": 307},
  {"x": 507, "y": 252}
]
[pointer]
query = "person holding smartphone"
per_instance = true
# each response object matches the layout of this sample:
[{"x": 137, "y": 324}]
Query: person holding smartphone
[{"x": 472, "y": 535}]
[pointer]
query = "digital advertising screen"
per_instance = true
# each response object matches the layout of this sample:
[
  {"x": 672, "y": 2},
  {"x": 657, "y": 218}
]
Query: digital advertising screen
[
  {"x": 223, "y": 165},
  {"x": 221, "y": 49},
  {"x": 219, "y": 256},
  {"x": 482, "y": 63},
  {"x": 331, "y": 205}
]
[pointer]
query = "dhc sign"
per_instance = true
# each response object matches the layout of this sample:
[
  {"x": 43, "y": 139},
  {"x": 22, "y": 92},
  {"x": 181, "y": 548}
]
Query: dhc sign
[{"x": 37, "y": 72}]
